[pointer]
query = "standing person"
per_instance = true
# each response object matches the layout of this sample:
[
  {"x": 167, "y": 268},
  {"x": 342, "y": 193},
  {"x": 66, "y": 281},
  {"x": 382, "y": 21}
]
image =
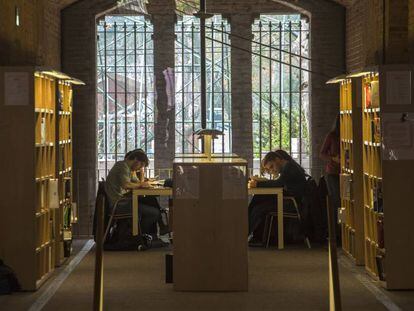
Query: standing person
[
  {"x": 118, "y": 183},
  {"x": 330, "y": 153},
  {"x": 292, "y": 178}
]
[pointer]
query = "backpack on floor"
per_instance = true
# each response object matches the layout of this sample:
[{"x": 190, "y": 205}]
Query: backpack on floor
[
  {"x": 120, "y": 237},
  {"x": 8, "y": 280}
]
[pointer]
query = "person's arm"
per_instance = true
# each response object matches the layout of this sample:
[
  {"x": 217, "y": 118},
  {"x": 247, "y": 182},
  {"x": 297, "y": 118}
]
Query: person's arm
[
  {"x": 273, "y": 183},
  {"x": 130, "y": 185}
]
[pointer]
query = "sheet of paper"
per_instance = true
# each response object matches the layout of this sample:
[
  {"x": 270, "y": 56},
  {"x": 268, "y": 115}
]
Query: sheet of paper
[
  {"x": 16, "y": 88},
  {"x": 398, "y": 137},
  {"x": 187, "y": 180},
  {"x": 398, "y": 88},
  {"x": 234, "y": 182}
]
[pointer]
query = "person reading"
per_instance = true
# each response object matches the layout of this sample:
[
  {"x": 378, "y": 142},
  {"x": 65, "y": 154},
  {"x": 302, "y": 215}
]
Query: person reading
[
  {"x": 292, "y": 178},
  {"x": 119, "y": 183},
  {"x": 138, "y": 176}
]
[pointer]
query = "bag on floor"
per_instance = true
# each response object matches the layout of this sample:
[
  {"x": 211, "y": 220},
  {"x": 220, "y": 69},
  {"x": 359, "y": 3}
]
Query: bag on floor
[
  {"x": 120, "y": 237},
  {"x": 8, "y": 280}
]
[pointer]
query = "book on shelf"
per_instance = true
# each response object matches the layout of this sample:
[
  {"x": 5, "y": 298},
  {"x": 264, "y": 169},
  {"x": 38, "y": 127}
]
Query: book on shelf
[
  {"x": 342, "y": 215},
  {"x": 43, "y": 130},
  {"x": 376, "y": 130},
  {"x": 375, "y": 96},
  {"x": 42, "y": 195},
  {"x": 367, "y": 95},
  {"x": 377, "y": 202},
  {"x": 67, "y": 181},
  {"x": 380, "y": 231},
  {"x": 60, "y": 100},
  {"x": 347, "y": 159},
  {"x": 345, "y": 184},
  {"x": 379, "y": 261},
  {"x": 74, "y": 212}
]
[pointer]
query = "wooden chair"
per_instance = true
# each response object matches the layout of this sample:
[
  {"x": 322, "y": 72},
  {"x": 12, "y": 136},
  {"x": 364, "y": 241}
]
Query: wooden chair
[{"x": 295, "y": 215}]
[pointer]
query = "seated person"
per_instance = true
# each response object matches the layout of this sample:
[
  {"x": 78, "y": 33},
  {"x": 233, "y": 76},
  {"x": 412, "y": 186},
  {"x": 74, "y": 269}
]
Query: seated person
[
  {"x": 118, "y": 183},
  {"x": 291, "y": 177},
  {"x": 150, "y": 200}
]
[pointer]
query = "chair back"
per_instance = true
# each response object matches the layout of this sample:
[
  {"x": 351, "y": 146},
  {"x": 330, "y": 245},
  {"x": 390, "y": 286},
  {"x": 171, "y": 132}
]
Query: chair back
[
  {"x": 314, "y": 210},
  {"x": 101, "y": 194}
]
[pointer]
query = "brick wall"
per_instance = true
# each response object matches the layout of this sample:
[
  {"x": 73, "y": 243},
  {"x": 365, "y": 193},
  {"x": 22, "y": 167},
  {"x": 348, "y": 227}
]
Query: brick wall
[
  {"x": 78, "y": 60},
  {"x": 411, "y": 30},
  {"x": 366, "y": 28},
  {"x": 37, "y": 40},
  {"x": 364, "y": 34}
]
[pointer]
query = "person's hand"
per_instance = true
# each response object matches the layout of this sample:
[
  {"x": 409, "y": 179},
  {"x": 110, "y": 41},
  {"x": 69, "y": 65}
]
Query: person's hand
[
  {"x": 253, "y": 183},
  {"x": 145, "y": 185}
]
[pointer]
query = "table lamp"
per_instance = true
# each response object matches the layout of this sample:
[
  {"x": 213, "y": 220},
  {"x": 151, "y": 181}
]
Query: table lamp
[{"x": 208, "y": 135}]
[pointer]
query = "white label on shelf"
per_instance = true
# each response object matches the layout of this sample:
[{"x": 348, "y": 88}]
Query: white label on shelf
[
  {"x": 53, "y": 194},
  {"x": 43, "y": 131},
  {"x": 398, "y": 137},
  {"x": 16, "y": 89},
  {"x": 398, "y": 88}
]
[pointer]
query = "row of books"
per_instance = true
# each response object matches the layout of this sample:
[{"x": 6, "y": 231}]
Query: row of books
[{"x": 371, "y": 94}]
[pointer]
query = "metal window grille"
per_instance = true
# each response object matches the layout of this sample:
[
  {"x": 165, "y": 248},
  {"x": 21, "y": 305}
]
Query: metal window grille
[
  {"x": 280, "y": 87},
  {"x": 125, "y": 89},
  {"x": 187, "y": 82}
]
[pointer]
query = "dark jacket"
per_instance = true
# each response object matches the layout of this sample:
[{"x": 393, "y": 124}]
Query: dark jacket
[{"x": 292, "y": 178}]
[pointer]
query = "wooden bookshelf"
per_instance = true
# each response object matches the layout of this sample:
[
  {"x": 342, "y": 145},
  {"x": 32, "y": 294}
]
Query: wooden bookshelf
[
  {"x": 387, "y": 167},
  {"x": 64, "y": 169},
  {"x": 30, "y": 212},
  {"x": 351, "y": 171},
  {"x": 372, "y": 170}
]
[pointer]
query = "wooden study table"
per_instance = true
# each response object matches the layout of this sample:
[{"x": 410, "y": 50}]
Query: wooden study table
[
  {"x": 279, "y": 193},
  {"x": 162, "y": 191}
]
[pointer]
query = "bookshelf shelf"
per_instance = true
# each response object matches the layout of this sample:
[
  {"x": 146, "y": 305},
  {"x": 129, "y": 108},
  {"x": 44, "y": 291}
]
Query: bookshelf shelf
[{"x": 30, "y": 210}]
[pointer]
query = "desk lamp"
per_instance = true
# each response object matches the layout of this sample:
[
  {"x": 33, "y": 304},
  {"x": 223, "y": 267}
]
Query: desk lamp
[{"x": 208, "y": 135}]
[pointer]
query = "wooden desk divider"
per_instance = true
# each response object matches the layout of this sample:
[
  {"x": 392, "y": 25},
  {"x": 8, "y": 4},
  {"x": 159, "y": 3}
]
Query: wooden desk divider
[{"x": 30, "y": 212}]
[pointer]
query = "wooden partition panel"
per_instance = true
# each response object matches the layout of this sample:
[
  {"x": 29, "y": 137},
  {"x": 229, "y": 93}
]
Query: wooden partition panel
[{"x": 210, "y": 225}]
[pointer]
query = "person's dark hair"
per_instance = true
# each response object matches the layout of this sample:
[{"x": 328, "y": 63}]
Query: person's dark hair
[
  {"x": 138, "y": 155},
  {"x": 129, "y": 152},
  {"x": 336, "y": 126},
  {"x": 280, "y": 154}
]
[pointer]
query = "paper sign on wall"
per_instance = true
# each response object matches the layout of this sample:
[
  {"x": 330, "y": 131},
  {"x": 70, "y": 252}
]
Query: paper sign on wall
[
  {"x": 398, "y": 137},
  {"x": 398, "y": 88},
  {"x": 16, "y": 89}
]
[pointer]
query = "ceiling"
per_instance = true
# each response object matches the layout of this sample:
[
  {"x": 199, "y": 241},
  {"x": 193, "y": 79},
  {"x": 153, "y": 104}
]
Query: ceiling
[{"x": 65, "y": 3}]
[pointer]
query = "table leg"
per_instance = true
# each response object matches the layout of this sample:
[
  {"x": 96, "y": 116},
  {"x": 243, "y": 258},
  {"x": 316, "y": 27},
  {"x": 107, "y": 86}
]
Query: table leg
[
  {"x": 135, "y": 215},
  {"x": 280, "y": 238}
]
